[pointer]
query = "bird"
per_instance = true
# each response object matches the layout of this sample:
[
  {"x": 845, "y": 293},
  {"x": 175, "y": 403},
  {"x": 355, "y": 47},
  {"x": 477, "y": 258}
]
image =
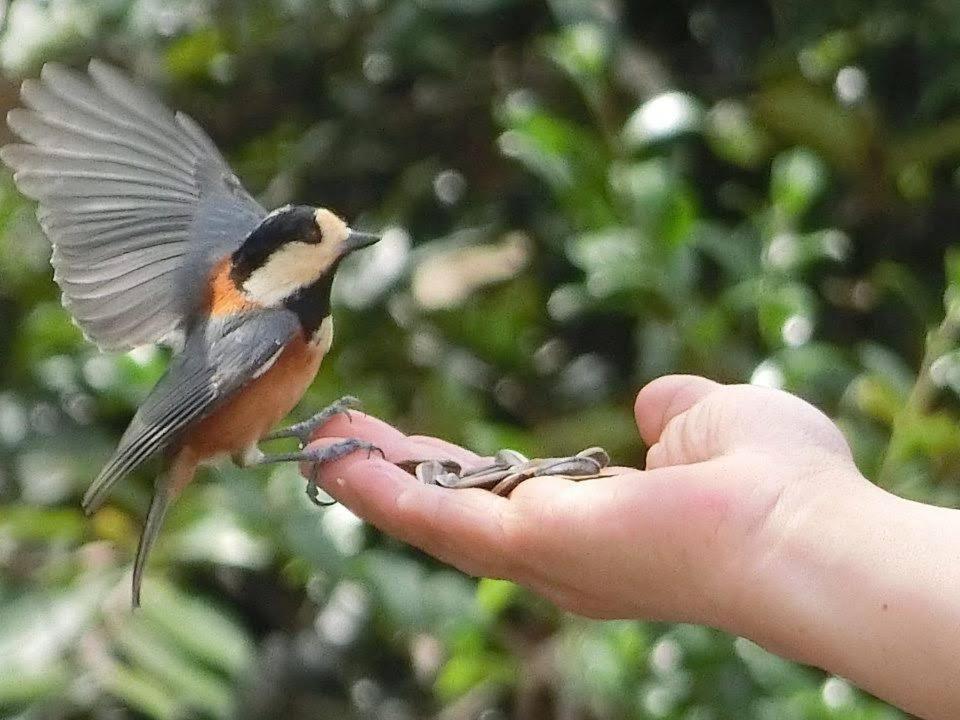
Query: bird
[{"x": 155, "y": 241}]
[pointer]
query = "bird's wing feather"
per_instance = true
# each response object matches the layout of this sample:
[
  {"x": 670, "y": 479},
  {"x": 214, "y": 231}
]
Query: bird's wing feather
[
  {"x": 137, "y": 202},
  {"x": 220, "y": 358}
]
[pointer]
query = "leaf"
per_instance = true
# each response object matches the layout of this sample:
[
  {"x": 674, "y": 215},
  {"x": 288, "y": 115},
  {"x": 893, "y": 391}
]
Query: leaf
[
  {"x": 495, "y": 596},
  {"x": 198, "y": 628},
  {"x": 786, "y": 314},
  {"x": 158, "y": 655},
  {"x": 21, "y": 686},
  {"x": 463, "y": 671},
  {"x": 772, "y": 672},
  {"x": 662, "y": 118},
  {"x": 33, "y": 524},
  {"x": 143, "y": 692},
  {"x": 797, "y": 178}
]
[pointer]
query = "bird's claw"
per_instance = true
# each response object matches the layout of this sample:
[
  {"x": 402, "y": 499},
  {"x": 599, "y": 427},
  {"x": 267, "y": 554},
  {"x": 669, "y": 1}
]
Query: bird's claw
[
  {"x": 305, "y": 430},
  {"x": 322, "y": 455},
  {"x": 318, "y": 456},
  {"x": 313, "y": 492}
]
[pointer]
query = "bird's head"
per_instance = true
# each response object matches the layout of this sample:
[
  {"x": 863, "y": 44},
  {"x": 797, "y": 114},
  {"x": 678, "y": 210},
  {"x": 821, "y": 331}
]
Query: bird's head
[{"x": 294, "y": 248}]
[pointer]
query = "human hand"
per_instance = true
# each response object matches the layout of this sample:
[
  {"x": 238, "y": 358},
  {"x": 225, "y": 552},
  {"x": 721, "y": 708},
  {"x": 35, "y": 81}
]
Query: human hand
[
  {"x": 750, "y": 516},
  {"x": 731, "y": 472}
]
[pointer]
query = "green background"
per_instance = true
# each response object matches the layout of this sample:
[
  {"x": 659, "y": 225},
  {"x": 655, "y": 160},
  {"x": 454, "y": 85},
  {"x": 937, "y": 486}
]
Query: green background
[{"x": 578, "y": 197}]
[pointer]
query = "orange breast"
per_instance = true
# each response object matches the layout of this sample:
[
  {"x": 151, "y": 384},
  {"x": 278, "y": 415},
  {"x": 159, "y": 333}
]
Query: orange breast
[{"x": 255, "y": 409}]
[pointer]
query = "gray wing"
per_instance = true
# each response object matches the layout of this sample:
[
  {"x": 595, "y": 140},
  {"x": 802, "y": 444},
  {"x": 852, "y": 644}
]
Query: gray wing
[
  {"x": 219, "y": 359},
  {"x": 137, "y": 202}
]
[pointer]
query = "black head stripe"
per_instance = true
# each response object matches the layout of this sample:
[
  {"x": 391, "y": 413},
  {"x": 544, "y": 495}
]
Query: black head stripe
[{"x": 289, "y": 224}]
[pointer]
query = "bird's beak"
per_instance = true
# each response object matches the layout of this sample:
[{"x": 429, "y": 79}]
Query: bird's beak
[{"x": 357, "y": 240}]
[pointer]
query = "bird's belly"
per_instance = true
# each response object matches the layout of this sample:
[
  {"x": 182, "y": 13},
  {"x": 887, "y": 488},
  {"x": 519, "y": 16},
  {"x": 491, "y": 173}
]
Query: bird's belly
[{"x": 241, "y": 421}]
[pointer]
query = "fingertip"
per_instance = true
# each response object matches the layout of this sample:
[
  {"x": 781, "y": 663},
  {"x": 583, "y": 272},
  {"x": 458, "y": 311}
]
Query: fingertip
[
  {"x": 454, "y": 525},
  {"x": 389, "y": 448},
  {"x": 371, "y": 488},
  {"x": 664, "y": 398},
  {"x": 360, "y": 425}
]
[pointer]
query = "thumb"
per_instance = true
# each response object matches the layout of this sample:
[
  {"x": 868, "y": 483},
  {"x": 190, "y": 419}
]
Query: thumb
[
  {"x": 664, "y": 399},
  {"x": 687, "y": 420}
]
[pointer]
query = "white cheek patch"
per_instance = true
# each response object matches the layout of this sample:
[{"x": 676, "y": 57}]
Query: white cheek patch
[
  {"x": 333, "y": 229},
  {"x": 295, "y": 265}
]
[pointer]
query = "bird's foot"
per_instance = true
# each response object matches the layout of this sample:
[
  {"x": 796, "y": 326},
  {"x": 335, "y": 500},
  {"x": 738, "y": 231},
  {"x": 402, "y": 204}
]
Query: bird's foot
[
  {"x": 304, "y": 431},
  {"x": 322, "y": 455},
  {"x": 319, "y": 456}
]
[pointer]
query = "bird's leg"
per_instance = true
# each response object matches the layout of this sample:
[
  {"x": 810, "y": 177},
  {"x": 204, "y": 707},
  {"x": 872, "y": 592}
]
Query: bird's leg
[
  {"x": 303, "y": 431},
  {"x": 318, "y": 456}
]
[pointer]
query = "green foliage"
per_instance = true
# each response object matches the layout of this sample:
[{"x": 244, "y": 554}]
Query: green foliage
[{"x": 578, "y": 197}]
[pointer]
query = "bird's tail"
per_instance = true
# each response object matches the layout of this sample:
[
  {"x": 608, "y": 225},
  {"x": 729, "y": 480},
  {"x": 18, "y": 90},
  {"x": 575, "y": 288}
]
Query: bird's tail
[{"x": 166, "y": 490}]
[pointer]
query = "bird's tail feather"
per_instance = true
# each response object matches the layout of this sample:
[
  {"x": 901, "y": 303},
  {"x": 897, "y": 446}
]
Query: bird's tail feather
[
  {"x": 161, "y": 501},
  {"x": 97, "y": 492},
  {"x": 166, "y": 490}
]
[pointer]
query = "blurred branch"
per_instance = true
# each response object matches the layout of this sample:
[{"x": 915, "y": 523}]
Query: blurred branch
[
  {"x": 938, "y": 342},
  {"x": 808, "y": 115},
  {"x": 929, "y": 146}
]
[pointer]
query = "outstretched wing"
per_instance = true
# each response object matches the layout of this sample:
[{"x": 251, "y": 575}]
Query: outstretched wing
[
  {"x": 219, "y": 358},
  {"x": 137, "y": 202}
]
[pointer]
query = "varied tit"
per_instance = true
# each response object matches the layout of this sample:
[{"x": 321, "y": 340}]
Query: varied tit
[{"x": 156, "y": 241}]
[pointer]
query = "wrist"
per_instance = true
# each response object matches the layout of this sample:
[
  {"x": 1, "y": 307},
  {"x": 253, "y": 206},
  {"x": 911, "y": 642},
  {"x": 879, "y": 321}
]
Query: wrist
[
  {"x": 863, "y": 584},
  {"x": 819, "y": 537}
]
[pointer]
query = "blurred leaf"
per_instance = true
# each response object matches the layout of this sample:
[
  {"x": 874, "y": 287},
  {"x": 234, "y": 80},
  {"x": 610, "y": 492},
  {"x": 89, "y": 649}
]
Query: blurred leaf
[
  {"x": 786, "y": 314},
  {"x": 197, "y": 628},
  {"x": 21, "y": 686},
  {"x": 615, "y": 260},
  {"x": 416, "y": 600},
  {"x": 662, "y": 117},
  {"x": 154, "y": 653},
  {"x": 736, "y": 136},
  {"x": 797, "y": 178},
  {"x": 568, "y": 158},
  {"x": 495, "y": 596},
  {"x": 582, "y": 49},
  {"x": 26, "y": 523},
  {"x": 190, "y": 57},
  {"x": 142, "y": 692},
  {"x": 769, "y": 670},
  {"x": 464, "y": 671}
]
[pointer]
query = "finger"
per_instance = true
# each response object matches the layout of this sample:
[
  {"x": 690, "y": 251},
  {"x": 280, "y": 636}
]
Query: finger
[
  {"x": 665, "y": 398},
  {"x": 442, "y": 448},
  {"x": 359, "y": 425},
  {"x": 396, "y": 448},
  {"x": 372, "y": 429},
  {"x": 464, "y": 528}
]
